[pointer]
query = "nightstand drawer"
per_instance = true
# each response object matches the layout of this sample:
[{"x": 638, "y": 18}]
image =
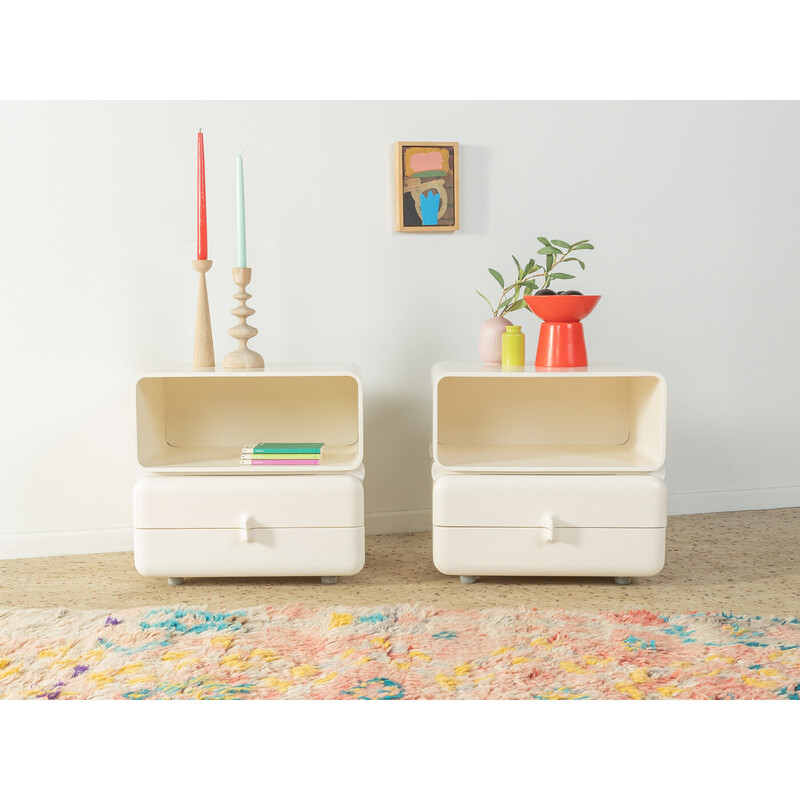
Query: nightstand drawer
[
  {"x": 630, "y": 552},
  {"x": 247, "y": 525},
  {"x": 244, "y": 502},
  {"x": 588, "y": 525},
  {"x": 215, "y": 552},
  {"x": 550, "y": 501}
]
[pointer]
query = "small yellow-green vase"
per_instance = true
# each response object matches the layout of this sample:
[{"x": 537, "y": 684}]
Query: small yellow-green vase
[{"x": 513, "y": 347}]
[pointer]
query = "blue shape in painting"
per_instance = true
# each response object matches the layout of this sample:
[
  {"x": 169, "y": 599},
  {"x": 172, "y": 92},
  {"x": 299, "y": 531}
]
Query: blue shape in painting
[{"x": 429, "y": 206}]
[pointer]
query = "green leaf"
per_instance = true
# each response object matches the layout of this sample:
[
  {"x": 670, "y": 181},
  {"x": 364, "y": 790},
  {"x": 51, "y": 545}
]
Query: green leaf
[
  {"x": 529, "y": 267},
  {"x": 554, "y": 251},
  {"x": 531, "y": 286},
  {"x": 561, "y": 275},
  {"x": 487, "y": 300},
  {"x": 549, "y": 263},
  {"x": 498, "y": 277},
  {"x": 543, "y": 241},
  {"x": 583, "y": 247},
  {"x": 516, "y": 306},
  {"x": 519, "y": 268},
  {"x": 582, "y": 241},
  {"x": 559, "y": 243},
  {"x": 583, "y": 266}
]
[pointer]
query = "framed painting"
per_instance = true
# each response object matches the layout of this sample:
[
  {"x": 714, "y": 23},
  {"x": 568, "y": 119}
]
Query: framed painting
[{"x": 426, "y": 186}]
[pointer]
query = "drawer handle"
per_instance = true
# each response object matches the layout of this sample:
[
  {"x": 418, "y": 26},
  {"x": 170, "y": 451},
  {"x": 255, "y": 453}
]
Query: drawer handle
[
  {"x": 549, "y": 527},
  {"x": 245, "y": 526}
]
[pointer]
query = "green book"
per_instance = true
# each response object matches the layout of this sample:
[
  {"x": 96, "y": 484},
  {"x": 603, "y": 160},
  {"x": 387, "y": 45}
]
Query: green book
[{"x": 284, "y": 447}]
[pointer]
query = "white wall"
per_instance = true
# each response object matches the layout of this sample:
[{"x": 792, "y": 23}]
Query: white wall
[{"x": 693, "y": 208}]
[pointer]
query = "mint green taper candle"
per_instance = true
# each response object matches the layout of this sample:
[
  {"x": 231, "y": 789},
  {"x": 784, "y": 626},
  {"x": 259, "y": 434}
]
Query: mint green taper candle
[{"x": 241, "y": 249}]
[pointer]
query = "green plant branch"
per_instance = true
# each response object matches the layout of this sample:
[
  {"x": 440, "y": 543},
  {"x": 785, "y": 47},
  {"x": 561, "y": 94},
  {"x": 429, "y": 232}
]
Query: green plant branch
[
  {"x": 516, "y": 285},
  {"x": 526, "y": 276},
  {"x": 490, "y": 305}
]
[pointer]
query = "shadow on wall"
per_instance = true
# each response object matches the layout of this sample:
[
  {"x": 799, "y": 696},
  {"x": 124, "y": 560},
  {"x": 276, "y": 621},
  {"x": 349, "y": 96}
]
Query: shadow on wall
[
  {"x": 396, "y": 452},
  {"x": 475, "y": 161}
]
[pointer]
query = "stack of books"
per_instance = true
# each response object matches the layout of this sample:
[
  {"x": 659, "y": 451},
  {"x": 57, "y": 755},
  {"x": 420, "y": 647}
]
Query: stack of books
[{"x": 294, "y": 454}]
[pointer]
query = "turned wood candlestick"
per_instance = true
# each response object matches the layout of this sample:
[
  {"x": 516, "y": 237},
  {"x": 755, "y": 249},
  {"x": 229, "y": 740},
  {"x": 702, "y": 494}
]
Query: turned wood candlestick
[
  {"x": 203, "y": 342},
  {"x": 243, "y": 357}
]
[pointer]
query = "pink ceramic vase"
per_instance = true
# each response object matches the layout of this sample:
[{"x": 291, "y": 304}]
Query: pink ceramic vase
[{"x": 490, "y": 338}]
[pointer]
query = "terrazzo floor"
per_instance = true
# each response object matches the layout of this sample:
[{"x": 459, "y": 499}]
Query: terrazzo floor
[{"x": 744, "y": 562}]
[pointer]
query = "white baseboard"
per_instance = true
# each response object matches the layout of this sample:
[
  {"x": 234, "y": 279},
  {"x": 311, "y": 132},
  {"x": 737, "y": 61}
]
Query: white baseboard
[
  {"x": 119, "y": 540},
  {"x": 743, "y": 500},
  {"x": 65, "y": 543}
]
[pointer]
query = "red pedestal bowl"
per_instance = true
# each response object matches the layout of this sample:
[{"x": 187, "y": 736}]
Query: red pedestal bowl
[{"x": 561, "y": 341}]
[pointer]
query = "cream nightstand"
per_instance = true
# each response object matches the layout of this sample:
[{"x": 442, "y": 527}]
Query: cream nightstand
[
  {"x": 548, "y": 472},
  {"x": 201, "y": 513}
]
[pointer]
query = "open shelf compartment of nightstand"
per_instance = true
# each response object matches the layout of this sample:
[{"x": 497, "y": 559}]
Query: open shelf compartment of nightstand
[
  {"x": 545, "y": 421},
  {"x": 196, "y": 423}
]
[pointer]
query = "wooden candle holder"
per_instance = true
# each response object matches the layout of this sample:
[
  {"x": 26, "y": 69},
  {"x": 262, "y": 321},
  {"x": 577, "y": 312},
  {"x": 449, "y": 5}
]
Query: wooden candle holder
[
  {"x": 203, "y": 342},
  {"x": 243, "y": 357}
]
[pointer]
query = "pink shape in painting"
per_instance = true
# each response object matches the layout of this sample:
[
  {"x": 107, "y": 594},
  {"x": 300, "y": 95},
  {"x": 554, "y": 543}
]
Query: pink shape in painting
[{"x": 422, "y": 162}]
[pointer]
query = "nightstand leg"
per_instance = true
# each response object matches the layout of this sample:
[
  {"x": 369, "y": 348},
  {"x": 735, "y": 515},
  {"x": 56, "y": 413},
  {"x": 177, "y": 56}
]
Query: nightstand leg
[
  {"x": 174, "y": 581},
  {"x": 622, "y": 581},
  {"x": 329, "y": 580},
  {"x": 468, "y": 579}
]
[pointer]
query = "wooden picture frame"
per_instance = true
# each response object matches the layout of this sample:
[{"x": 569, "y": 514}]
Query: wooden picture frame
[{"x": 426, "y": 187}]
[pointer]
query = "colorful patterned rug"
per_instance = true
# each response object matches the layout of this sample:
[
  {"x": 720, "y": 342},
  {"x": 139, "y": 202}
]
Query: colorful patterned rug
[{"x": 394, "y": 653}]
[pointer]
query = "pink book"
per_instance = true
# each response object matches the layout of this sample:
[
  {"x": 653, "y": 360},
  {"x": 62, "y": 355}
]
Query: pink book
[{"x": 264, "y": 462}]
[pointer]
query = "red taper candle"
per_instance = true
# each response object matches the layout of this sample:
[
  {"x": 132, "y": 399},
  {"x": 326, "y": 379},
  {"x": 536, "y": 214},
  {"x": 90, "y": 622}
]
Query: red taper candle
[{"x": 202, "y": 234}]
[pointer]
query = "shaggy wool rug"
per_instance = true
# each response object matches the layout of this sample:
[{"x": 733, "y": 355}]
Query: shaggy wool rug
[{"x": 394, "y": 653}]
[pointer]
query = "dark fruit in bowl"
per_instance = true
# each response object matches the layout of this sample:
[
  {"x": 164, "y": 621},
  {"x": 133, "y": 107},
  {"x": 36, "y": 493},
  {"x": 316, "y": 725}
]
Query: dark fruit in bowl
[
  {"x": 545, "y": 291},
  {"x": 571, "y": 291}
]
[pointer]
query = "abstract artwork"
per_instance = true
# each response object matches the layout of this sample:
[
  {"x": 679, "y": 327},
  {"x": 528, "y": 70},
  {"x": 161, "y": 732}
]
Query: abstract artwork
[{"x": 426, "y": 186}]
